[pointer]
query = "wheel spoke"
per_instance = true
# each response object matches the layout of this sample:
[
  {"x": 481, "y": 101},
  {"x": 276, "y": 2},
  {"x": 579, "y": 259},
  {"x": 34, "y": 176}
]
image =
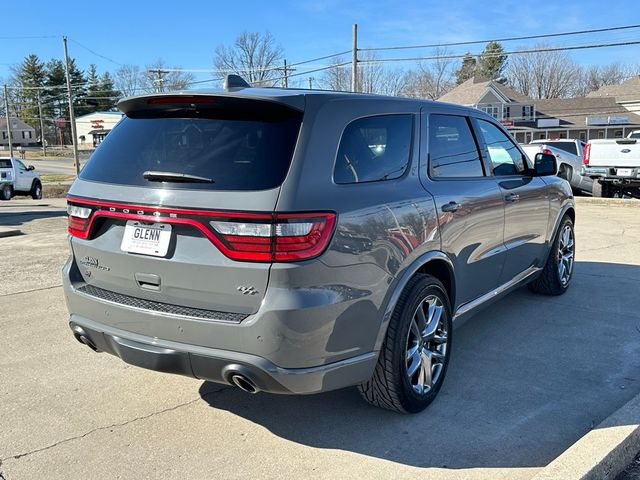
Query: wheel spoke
[
  {"x": 435, "y": 314},
  {"x": 420, "y": 318},
  {"x": 412, "y": 352},
  {"x": 439, "y": 338},
  {"x": 416, "y": 363},
  {"x": 425, "y": 372}
]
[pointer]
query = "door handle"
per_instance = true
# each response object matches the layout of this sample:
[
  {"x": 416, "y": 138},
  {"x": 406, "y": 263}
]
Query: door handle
[
  {"x": 512, "y": 197},
  {"x": 450, "y": 207}
]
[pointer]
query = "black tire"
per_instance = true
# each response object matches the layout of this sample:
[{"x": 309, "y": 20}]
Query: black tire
[
  {"x": 36, "y": 190},
  {"x": 391, "y": 386},
  {"x": 6, "y": 193},
  {"x": 602, "y": 190},
  {"x": 550, "y": 281}
]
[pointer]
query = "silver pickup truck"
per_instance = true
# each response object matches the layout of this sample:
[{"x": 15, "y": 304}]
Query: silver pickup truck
[
  {"x": 614, "y": 164},
  {"x": 569, "y": 155},
  {"x": 18, "y": 179}
]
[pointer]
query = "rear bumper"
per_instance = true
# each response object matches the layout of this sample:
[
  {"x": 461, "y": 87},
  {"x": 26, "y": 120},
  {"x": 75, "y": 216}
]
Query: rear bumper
[
  {"x": 611, "y": 174},
  {"x": 219, "y": 365}
]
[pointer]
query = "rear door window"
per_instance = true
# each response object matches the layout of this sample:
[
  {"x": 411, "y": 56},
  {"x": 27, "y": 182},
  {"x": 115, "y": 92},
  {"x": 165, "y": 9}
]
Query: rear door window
[
  {"x": 505, "y": 156},
  {"x": 240, "y": 145},
  {"x": 374, "y": 149},
  {"x": 569, "y": 147},
  {"x": 453, "y": 151}
]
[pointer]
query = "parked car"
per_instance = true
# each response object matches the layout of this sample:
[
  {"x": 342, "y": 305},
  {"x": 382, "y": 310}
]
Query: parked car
[
  {"x": 569, "y": 155},
  {"x": 614, "y": 165},
  {"x": 18, "y": 179},
  {"x": 296, "y": 241}
]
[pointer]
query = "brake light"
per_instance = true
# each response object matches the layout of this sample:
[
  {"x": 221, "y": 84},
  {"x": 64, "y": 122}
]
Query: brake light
[
  {"x": 180, "y": 99},
  {"x": 244, "y": 236},
  {"x": 78, "y": 220},
  {"x": 586, "y": 154},
  {"x": 287, "y": 237},
  {"x": 546, "y": 151}
]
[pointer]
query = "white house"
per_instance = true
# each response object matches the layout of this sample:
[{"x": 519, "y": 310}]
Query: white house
[
  {"x": 21, "y": 133},
  {"x": 92, "y": 128}
]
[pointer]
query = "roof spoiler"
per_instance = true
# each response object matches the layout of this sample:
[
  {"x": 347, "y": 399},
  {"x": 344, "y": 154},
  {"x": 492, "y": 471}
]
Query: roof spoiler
[{"x": 234, "y": 81}]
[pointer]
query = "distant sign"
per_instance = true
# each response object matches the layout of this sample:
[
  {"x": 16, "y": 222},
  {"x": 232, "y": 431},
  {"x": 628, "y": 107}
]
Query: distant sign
[
  {"x": 618, "y": 119},
  {"x": 610, "y": 120},
  {"x": 548, "y": 122},
  {"x": 507, "y": 123},
  {"x": 97, "y": 124},
  {"x": 60, "y": 122}
]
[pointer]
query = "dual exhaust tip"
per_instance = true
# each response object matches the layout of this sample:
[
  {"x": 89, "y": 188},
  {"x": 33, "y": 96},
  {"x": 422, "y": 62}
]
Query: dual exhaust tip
[{"x": 83, "y": 338}]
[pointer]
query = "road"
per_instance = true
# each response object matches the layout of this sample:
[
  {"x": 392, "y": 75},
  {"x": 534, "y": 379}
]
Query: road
[
  {"x": 528, "y": 377},
  {"x": 57, "y": 165}
]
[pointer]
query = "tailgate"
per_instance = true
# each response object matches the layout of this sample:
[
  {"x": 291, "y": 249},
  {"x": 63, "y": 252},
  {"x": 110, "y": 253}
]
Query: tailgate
[
  {"x": 174, "y": 205},
  {"x": 615, "y": 153}
]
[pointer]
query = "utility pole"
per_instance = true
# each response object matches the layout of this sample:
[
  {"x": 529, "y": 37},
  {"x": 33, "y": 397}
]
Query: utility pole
[
  {"x": 310, "y": 83},
  {"x": 72, "y": 117},
  {"x": 354, "y": 59},
  {"x": 160, "y": 80},
  {"x": 285, "y": 78},
  {"x": 44, "y": 147},
  {"x": 6, "y": 112}
]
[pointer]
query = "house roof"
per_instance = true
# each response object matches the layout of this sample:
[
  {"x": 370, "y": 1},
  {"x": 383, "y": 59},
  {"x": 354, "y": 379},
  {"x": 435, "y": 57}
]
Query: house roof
[
  {"x": 16, "y": 124},
  {"x": 573, "y": 111},
  {"x": 625, "y": 92},
  {"x": 469, "y": 92},
  {"x": 118, "y": 114}
]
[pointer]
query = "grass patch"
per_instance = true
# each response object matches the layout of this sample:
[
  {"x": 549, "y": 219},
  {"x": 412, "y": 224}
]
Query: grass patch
[{"x": 57, "y": 177}]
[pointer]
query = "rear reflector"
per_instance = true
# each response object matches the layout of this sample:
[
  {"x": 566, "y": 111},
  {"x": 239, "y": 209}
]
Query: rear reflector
[{"x": 243, "y": 236}]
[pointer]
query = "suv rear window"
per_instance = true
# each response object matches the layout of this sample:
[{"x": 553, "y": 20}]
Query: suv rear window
[
  {"x": 240, "y": 145},
  {"x": 374, "y": 148},
  {"x": 5, "y": 163}
]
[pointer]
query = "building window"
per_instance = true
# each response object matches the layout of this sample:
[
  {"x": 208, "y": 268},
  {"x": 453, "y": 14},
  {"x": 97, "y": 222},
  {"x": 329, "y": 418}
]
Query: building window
[
  {"x": 24, "y": 134},
  {"x": 541, "y": 136},
  {"x": 527, "y": 112},
  {"x": 583, "y": 136},
  {"x": 601, "y": 134},
  {"x": 4, "y": 135},
  {"x": 506, "y": 111},
  {"x": 30, "y": 134},
  {"x": 491, "y": 110},
  {"x": 617, "y": 134}
]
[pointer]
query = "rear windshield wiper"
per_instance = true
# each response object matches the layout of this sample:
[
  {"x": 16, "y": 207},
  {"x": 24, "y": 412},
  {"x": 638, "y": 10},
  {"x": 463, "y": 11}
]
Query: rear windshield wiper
[{"x": 154, "y": 176}]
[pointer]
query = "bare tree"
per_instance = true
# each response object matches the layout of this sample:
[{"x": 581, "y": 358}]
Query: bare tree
[
  {"x": 128, "y": 80},
  {"x": 596, "y": 76},
  {"x": 158, "y": 77},
  {"x": 255, "y": 56},
  {"x": 433, "y": 79},
  {"x": 544, "y": 74},
  {"x": 338, "y": 77}
]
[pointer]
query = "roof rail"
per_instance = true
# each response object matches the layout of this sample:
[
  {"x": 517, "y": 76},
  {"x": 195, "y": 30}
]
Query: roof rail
[{"x": 234, "y": 81}]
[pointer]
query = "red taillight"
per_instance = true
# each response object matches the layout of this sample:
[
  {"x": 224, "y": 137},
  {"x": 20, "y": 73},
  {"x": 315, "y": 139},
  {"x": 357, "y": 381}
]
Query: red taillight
[
  {"x": 586, "y": 154},
  {"x": 250, "y": 236},
  {"x": 546, "y": 151},
  {"x": 285, "y": 238},
  {"x": 180, "y": 99}
]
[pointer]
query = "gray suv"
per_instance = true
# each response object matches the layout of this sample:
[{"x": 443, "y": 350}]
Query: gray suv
[{"x": 295, "y": 241}]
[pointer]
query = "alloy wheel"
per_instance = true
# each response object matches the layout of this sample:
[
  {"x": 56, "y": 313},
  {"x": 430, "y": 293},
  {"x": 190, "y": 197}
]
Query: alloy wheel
[
  {"x": 566, "y": 248},
  {"x": 427, "y": 345}
]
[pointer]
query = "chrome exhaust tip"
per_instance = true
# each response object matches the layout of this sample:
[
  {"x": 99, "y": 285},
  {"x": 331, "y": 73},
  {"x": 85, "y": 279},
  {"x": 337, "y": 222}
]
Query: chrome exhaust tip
[{"x": 243, "y": 383}]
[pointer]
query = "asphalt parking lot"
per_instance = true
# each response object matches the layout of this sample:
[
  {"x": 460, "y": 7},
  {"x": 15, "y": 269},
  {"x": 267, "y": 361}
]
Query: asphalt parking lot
[{"x": 529, "y": 376}]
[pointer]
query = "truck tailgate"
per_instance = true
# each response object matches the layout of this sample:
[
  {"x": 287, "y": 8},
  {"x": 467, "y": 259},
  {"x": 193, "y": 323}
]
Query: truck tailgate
[{"x": 615, "y": 153}]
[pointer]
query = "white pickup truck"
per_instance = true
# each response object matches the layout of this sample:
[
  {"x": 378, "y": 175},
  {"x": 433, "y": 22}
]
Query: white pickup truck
[
  {"x": 614, "y": 164},
  {"x": 18, "y": 179},
  {"x": 569, "y": 154}
]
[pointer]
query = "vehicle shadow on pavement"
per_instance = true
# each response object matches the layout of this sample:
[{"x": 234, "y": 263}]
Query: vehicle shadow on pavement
[
  {"x": 20, "y": 218},
  {"x": 529, "y": 376}
]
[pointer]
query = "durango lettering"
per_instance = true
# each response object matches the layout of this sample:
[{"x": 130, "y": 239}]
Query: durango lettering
[{"x": 146, "y": 234}]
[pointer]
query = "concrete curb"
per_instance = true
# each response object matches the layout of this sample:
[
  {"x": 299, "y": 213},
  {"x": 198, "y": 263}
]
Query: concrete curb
[
  {"x": 602, "y": 453},
  {"x": 609, "y": 202}
]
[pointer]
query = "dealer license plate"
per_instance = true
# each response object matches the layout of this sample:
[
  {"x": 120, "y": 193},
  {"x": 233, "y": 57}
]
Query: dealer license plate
[
  {"x": 624, "y": 172},
  {"x": 147, "y": 239}
]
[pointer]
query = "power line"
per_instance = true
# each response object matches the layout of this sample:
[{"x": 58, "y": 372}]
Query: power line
[
  {"x": 499, "y": 54},
  {"x": 506, "y": 39},
  {"x": 27, "y": 37},
  {"x": 95, "y": 53}
]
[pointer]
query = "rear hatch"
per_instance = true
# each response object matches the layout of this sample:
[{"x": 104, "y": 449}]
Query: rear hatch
[
  {"x": 176, "y": 205},
  {"x": 614, "y": 153}
]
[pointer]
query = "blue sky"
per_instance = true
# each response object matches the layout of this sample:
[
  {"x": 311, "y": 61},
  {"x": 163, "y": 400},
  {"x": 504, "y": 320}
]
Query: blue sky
[{"x": 186, "y": 33}]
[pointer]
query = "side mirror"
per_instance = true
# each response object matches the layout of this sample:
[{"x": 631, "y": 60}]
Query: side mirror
[
  {"x": 31, "y": 167},
  {"x": 545, "y": 165}
]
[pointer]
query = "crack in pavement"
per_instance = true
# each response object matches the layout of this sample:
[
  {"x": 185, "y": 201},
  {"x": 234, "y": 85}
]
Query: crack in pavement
[
  {"x": 114, "y": 425},
  {"x": 30, "y": 291}
]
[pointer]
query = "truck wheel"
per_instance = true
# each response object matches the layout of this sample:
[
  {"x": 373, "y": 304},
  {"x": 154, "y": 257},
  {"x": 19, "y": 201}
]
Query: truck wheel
[
  {"x": 558, "y": 271},
  {"x": 601, "y": 190},
  {"x": 415, "y": 354},
  {"x": 7, "y": 192},
  {"x": 36, "y": 190}
]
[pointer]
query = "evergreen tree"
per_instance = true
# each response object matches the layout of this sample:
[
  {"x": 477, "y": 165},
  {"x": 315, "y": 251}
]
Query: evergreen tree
[
  {"x": 467, "y": 68},
  {"x": 109, "y": 95},
  {"x": 28, "y": 77},
  {"x": 93, "y": 90},
  {"x": 492, "y": 61}
]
